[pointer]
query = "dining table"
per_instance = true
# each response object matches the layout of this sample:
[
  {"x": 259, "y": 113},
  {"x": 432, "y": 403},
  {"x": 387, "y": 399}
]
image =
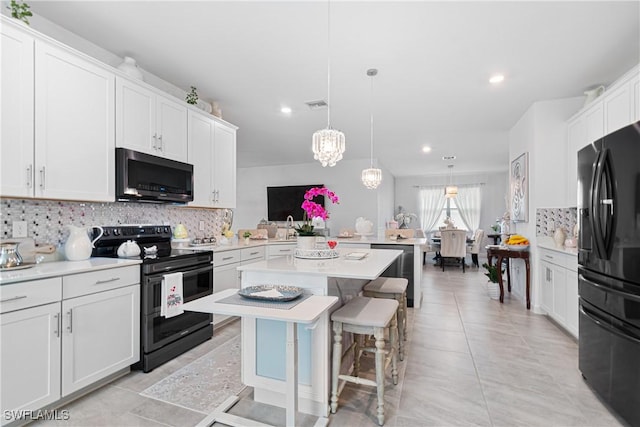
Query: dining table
[{"x": 307, "y": 312}]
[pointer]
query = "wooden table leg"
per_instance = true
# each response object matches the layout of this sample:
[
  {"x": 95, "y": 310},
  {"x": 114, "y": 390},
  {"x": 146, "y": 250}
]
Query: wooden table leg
[
  {"x": 499, "y": 264},
  {"x": 508, "y": 275},
  {"x": 526, "y": 264}
]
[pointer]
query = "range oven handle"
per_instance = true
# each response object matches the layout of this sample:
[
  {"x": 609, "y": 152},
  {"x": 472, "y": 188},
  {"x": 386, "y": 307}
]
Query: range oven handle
[
  {"x": 610, "y": 290},
  {"x": 197, "y": 271},
  {"x": 185, "y": 271},
  {"x": 607, "y": 327}
]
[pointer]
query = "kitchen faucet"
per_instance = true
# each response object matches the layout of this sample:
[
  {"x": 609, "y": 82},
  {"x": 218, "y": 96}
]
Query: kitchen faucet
[{"x": 289, "y": 223}]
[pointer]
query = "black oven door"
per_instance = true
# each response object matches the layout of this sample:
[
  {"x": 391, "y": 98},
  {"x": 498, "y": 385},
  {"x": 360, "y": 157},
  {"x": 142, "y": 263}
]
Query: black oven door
[
  {"x": 158, "y": 331},
  {"x": 197, "y": 282}
]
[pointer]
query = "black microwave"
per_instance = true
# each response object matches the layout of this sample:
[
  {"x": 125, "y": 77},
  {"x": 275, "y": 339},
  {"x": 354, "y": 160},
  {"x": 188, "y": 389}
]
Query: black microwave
[{"x": 146, "y": 178}]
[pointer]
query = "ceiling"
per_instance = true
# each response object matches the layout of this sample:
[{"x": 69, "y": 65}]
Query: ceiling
[{"x": 434, "y": 61}]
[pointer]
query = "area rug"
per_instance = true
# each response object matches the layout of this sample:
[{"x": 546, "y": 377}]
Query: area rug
[{"x": 204, "y": 383}]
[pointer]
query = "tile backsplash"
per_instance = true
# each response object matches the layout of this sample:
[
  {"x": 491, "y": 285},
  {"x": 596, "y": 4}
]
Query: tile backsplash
[
  {"x": 549, "y": 219},
  {"x": 46, "y": 219}
]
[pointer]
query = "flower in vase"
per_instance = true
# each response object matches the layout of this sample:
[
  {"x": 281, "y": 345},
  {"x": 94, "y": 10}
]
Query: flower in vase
[{"x": 313, "y": 209}]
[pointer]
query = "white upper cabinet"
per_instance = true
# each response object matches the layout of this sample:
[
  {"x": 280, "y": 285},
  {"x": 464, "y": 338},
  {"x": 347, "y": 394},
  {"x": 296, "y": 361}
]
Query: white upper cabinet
[
  {"x": 57, "y": 121},
  {"x": 201, "y": 134},
  {"x": 74, "y": 126},
  {"x": 212, "y": 151},
  {"x": 149, "y": 122},
  {"x": 618, "y": 107},
  {"x": 16, "y": 146},
  {"x": 224, "y": 166}
]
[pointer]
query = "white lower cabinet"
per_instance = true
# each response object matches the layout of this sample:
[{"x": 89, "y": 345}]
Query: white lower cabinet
[
  {"x": 54, "y": 345},
  {"x": 559, "y": 288},
  {"x": 30, "y": 360},
  {"x": 225, "y": 273},
  {"x": 101, "y": 335}
]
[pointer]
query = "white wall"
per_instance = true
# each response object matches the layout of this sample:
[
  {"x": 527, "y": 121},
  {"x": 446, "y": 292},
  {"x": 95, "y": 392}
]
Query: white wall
[
  {"x": 344, "y": 179},
  {"x": 542, "y": 132},
  {"x": 494, "y": 189}
]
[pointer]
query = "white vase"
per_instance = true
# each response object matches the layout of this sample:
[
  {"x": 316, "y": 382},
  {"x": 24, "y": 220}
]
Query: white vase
[
  {"x": 306, "y": 242},
  {"x": 130, "y": 67},
  {"x": 559, "y": 237}
]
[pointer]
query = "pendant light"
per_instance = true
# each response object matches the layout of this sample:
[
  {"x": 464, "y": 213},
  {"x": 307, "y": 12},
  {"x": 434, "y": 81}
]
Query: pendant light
[
  {"x": 328, "y": 144},
  {"x": 450, "y": 191},
  {"x": 371, "y": 177}
]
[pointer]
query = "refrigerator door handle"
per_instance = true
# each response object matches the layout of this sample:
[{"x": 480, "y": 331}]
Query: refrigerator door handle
[
  {"x": 625, "y": 295},
  {"x": 594, "y": 218},
  {"x": 608, "y": 199},
  {"x": 608, "y": 327}
]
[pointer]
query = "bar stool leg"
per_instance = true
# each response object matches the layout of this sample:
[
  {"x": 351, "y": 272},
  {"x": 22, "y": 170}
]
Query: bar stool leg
[
  {"x": 335, "y": 368},
  {"x": 393, "y": 337},
  {"x": 406, "y": 307},
  {"x": 399, "y": 325},
  {"x": 380, "y": 356}
]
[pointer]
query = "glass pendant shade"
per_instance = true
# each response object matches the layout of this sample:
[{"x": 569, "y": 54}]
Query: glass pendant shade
[
  {"x": 371, "y": 178},
  {"x": 450, "y": 191},
  {"x": 328, "y": 146}
]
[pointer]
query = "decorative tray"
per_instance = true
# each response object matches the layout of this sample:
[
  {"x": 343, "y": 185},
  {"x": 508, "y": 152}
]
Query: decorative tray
[
  {"x": 19, "y": 267},
  {"x": 271, "y": 292},
  {"x": 315, "y": 253}
]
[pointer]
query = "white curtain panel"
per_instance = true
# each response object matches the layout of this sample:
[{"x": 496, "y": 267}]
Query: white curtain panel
[
  {"x": 430, "y": 204},
  {"x": 469, "y": 201}
]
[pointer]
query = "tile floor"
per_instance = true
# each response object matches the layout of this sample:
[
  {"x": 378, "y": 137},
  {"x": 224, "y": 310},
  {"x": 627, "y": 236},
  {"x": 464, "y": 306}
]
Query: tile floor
[{"x": 470, "y": 361}]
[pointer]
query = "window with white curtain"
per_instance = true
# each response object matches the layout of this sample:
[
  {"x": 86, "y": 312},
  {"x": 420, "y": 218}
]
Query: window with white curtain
[{"x": 451, "y": 210}]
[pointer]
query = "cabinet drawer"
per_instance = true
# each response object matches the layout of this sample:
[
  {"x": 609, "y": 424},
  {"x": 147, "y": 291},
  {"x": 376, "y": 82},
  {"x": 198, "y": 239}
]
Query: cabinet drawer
[
  {"x": 29, "y": 294},
  {"x": 281, "y": 250},
  {"x": 563, "y": 260},
  {"x": 97, "y": 281},
  {"x": 226, "y": 257},
  {"x": 252, "y": 253}
]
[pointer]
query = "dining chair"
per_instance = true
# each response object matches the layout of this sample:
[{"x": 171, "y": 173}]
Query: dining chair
[
  {"x": 474, "y": 250},
  {"x": 453, "y": 244}
]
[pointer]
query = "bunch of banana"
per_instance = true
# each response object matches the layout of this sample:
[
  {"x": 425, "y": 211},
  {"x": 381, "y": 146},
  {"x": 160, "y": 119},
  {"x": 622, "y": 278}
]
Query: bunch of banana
[{"x": 517, "y": 239}]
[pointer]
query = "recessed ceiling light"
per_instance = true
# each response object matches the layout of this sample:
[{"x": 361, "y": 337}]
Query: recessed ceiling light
[
  {"x": 426, "y": 149},
  {"x": 448, "y": 157},
  {"x": 286, "y": 110},
  {"x": 497, "y": 78}
]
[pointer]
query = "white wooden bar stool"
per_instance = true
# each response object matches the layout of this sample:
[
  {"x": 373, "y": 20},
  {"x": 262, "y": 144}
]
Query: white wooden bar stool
[
  {"x": 392, "y": 288},
  {"x": 365, "y": 316}
]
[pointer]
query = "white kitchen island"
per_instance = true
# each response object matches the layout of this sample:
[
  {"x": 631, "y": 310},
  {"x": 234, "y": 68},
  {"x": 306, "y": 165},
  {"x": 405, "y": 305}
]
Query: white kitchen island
[{"x": 263, "y": 349}]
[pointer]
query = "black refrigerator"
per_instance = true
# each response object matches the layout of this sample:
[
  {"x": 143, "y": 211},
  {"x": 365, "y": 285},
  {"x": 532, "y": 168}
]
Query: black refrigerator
[{"x": 609, "y": 269}]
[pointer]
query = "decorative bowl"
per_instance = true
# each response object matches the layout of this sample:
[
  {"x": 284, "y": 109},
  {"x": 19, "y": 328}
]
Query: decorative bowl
[
  {"x": 271, "y": 292},
  {"x": 518, "y": 247}
]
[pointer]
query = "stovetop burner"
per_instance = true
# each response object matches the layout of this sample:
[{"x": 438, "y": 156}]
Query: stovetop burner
[{"x": 146, "y": 236}]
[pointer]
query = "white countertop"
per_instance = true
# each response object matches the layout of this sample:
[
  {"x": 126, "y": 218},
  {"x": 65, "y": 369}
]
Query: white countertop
[
  {"x": 306, "y": 311},
  {"x": 63, "y": 268},
  {"x": 548, "y": 243},
  {"x": 235, "y": 244},
  {"x": 370, "y": 267}
]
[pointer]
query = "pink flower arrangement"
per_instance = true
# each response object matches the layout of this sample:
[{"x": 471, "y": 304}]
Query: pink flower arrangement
[{"x": 313, "y": 209}]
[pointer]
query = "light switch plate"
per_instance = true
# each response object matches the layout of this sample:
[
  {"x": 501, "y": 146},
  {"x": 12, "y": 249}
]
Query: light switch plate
[
  {"x": 19, "y": 229},
  {"x": 201, "y": 226}
]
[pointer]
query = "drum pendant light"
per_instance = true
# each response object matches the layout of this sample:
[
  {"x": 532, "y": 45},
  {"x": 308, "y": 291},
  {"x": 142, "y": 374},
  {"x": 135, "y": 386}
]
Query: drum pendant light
[
  {"x": 450, "y": 191},
  {"x": 371, "y": 177},
  {"x": 328, "y": 144}
]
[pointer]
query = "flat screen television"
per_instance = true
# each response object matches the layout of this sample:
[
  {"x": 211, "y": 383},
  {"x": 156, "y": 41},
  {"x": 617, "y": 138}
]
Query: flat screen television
[{"x": 285, "y": 201}]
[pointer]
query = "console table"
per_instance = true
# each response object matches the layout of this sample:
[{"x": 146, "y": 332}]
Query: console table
[{"x": 503, "y": 254}]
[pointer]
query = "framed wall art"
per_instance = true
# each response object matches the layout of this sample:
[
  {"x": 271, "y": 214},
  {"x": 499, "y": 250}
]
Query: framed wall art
[{"x": 519, "y": 188}]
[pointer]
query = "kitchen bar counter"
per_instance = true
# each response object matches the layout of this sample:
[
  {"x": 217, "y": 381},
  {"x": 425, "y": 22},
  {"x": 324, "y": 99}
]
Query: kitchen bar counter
[
  {"x": 263, "y": 366},
  {"x": 63, "y": 268}
]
